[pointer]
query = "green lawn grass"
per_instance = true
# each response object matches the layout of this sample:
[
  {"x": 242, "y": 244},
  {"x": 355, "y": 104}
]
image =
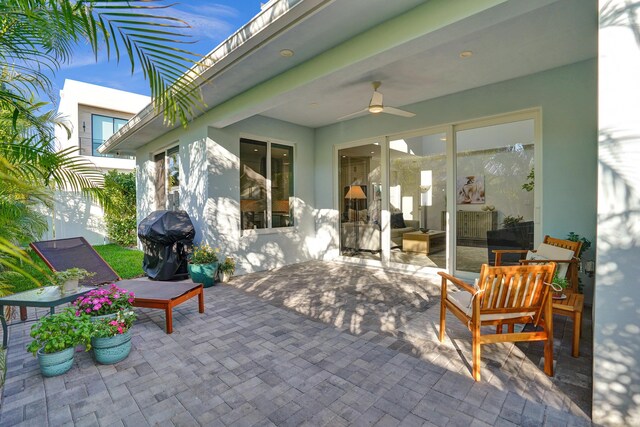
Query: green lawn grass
[{"x": 126, "y": 262}]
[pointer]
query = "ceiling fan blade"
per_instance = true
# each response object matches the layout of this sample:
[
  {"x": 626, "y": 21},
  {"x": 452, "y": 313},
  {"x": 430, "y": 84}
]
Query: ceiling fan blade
[
  {"x": 357, "y": 113},
  {"x": 398, "y": 112},
  {"x": 376, "y": 99}
]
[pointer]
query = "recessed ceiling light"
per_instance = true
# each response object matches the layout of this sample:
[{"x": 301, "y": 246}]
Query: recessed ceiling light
[
  {"x": 443, "y": 139},
  {"x": 255, "y": 149},
  {"x": 286, "y": 53},
  {"x": 373, "y": 152},
  {"x": 466, "y": 54},
  {"x": 285, "y": 154}
]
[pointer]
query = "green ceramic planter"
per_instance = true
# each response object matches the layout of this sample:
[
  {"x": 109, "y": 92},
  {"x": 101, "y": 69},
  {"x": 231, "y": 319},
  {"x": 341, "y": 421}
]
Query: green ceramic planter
[
  {"x": 110, "y": 350},
  {"x": 203, "y": 273},
  {"x": 53, "y": 364}
]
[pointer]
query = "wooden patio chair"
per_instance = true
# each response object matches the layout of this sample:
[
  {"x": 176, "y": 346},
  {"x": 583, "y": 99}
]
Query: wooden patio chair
[
  {"x": 566, "y": 254},
  {"x": 62, "y": 254},
  {"x": 503, "y": 296}
]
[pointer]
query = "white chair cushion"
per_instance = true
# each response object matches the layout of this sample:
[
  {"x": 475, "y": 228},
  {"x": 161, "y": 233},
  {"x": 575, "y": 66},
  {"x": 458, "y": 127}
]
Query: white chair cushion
[
  {"x": 550, "y": 252},
  {"x": 462, "y": 300}
]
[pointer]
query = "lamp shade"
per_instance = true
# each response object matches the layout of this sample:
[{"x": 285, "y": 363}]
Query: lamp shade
[{"x": 355, "y": 192}]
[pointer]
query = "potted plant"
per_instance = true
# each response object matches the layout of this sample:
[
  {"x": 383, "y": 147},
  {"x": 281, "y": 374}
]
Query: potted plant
[
  {"x": 511, "y": 221},
  {"x": 203, "y": 265},
  {"x": 111, "y": 341},
  {"x": 105, "y": 302},
  {"x": 67, "y": 280},
  {"x": 55, "y": 338},
  {"x": 227, "y": 268},
  {"x": 559, "y": 284}
]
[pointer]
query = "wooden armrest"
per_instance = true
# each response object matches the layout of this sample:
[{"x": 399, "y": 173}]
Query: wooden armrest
[
  {"x": 459, "y": 283},
  {"x": 510, "y": 251}
]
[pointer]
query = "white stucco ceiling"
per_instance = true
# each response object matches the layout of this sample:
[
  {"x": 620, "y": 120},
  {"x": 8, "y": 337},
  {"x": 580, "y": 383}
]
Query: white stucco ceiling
[{"x": 512, "y": 39}]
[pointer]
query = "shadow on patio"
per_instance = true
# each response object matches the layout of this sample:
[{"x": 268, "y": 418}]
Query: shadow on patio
[{"x": 401, "y": 312}]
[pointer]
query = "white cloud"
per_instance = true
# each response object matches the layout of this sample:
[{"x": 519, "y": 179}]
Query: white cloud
[{"x": 213, "y": 21}]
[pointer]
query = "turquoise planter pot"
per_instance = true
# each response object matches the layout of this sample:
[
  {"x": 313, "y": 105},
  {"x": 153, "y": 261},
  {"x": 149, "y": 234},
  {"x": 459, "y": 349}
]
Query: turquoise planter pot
[
  {"x": 53, "y": 364},
  {"x": 203, "y": 273},
  {"x": 110, "y": 350}
]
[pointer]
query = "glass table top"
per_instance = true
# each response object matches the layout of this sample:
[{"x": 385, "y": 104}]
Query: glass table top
[{"x": 46, "y": 296}]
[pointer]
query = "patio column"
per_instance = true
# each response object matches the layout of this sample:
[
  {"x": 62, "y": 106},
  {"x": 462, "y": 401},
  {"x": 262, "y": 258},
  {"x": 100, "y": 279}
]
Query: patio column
[{"x": 616, "y": 353}]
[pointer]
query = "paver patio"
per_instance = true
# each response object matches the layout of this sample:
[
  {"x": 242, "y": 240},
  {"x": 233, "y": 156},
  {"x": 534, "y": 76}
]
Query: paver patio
[{"x": 311, "y": 344}]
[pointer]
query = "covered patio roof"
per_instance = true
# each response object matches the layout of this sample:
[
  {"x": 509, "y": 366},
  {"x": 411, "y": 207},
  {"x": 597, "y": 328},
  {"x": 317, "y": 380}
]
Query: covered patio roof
[{"x": 335, "y": 57}]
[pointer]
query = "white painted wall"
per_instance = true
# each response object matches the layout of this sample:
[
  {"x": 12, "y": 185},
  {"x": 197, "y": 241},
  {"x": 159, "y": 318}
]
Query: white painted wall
[
  {"x": 616, "y": 371},
  {"x": 76, "y": 215},
  {"x": 210, "y": 191}
]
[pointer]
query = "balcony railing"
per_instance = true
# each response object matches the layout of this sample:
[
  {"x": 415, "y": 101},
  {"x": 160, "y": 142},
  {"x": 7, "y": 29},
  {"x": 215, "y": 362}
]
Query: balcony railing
[{"x": 89, "y": 147}]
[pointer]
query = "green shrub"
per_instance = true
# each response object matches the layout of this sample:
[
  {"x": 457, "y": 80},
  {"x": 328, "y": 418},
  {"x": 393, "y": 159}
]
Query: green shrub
[{"x": 120, "y": 211}]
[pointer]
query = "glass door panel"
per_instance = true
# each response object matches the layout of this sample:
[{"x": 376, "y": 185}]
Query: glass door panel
[
  {"x": 360, "y": 201},
  {"x": 418, "y": 201},
  {"x": 494, "y": 207}
]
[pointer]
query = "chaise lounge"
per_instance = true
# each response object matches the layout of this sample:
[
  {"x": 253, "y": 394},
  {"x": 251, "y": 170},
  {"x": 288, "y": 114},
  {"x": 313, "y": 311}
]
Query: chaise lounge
[{"x": 63, "y": 254}]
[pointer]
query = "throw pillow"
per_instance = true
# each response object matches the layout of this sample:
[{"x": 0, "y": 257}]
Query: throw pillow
[
  {"x": 397, "y": 221},
  {"x": 550, "y": 252}
]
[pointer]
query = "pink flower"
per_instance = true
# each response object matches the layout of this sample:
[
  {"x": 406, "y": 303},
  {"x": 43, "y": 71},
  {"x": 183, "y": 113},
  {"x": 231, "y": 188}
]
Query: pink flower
[
  {"x": 88, "y": 310},
  {"x": 130, "y": 300},
  {"x": 97, "y": 307},
  {"x": 77, "y": 313},
  {"x": 116, "y": 295},
  {"x": 119, "y": 329},
  {"x": 113, "y": 322}
]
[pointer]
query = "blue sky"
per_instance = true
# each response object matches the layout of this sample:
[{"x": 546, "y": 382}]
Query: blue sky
[{"x": 211, "y": 22}]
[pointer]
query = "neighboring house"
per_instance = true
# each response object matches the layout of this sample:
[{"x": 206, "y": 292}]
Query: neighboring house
[
  {"x": 93, "y": 113},
  {"x": 278, "y": 170}
]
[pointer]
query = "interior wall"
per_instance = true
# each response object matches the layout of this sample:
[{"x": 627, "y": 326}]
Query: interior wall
[
  {"x": 567, "y": 99},
  {"x": 616, "y": 371}
]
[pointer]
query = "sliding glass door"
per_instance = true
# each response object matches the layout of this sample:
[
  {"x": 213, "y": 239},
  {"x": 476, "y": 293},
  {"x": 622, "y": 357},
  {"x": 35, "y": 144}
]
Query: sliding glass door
[
  {"x": 494, "y": 191},
  {"x": 418, "y": 199},
  {"x": 360, "y": 201}
]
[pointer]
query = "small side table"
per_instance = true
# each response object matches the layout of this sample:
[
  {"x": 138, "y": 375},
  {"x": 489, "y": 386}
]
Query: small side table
[
  {"x": 572, "y": 306},
  {"x": 48, "y": 296}
]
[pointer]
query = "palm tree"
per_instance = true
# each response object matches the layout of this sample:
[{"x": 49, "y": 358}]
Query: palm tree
[{"x": 36, "y": 38}]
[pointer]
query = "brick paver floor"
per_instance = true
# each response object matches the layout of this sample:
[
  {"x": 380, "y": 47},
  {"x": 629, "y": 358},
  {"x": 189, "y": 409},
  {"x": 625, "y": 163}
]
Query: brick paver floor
[{"x": 257, "y": 358}]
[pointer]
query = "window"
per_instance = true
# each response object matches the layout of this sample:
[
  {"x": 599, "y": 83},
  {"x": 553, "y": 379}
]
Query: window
[
  {"x": 168, "y": 179},
  {"x": 266, "y": 188},
  {"x": 102, "y": 128}
]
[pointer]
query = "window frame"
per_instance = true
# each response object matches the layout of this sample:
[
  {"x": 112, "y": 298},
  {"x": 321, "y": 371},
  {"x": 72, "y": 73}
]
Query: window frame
[
  {"x": 94, "y": 148},
  {"x": 269, "y": 229},
  {"x": 166, "y": 152}
]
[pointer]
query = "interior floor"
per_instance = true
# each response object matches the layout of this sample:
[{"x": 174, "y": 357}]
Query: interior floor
[{"x": 469, "y": 258}]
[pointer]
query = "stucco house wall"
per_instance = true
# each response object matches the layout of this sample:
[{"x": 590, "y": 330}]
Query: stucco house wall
[
  {"x": 210, "y": 190},
  {"x": 76, "y": 215}
]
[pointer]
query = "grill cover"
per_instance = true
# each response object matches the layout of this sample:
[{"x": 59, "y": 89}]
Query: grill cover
[{"x": 166, "y": 238}]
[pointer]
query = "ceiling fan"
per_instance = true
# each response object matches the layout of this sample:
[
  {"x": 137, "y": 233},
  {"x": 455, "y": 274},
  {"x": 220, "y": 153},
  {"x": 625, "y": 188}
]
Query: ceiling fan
[{"x": 376, "y": 106}]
